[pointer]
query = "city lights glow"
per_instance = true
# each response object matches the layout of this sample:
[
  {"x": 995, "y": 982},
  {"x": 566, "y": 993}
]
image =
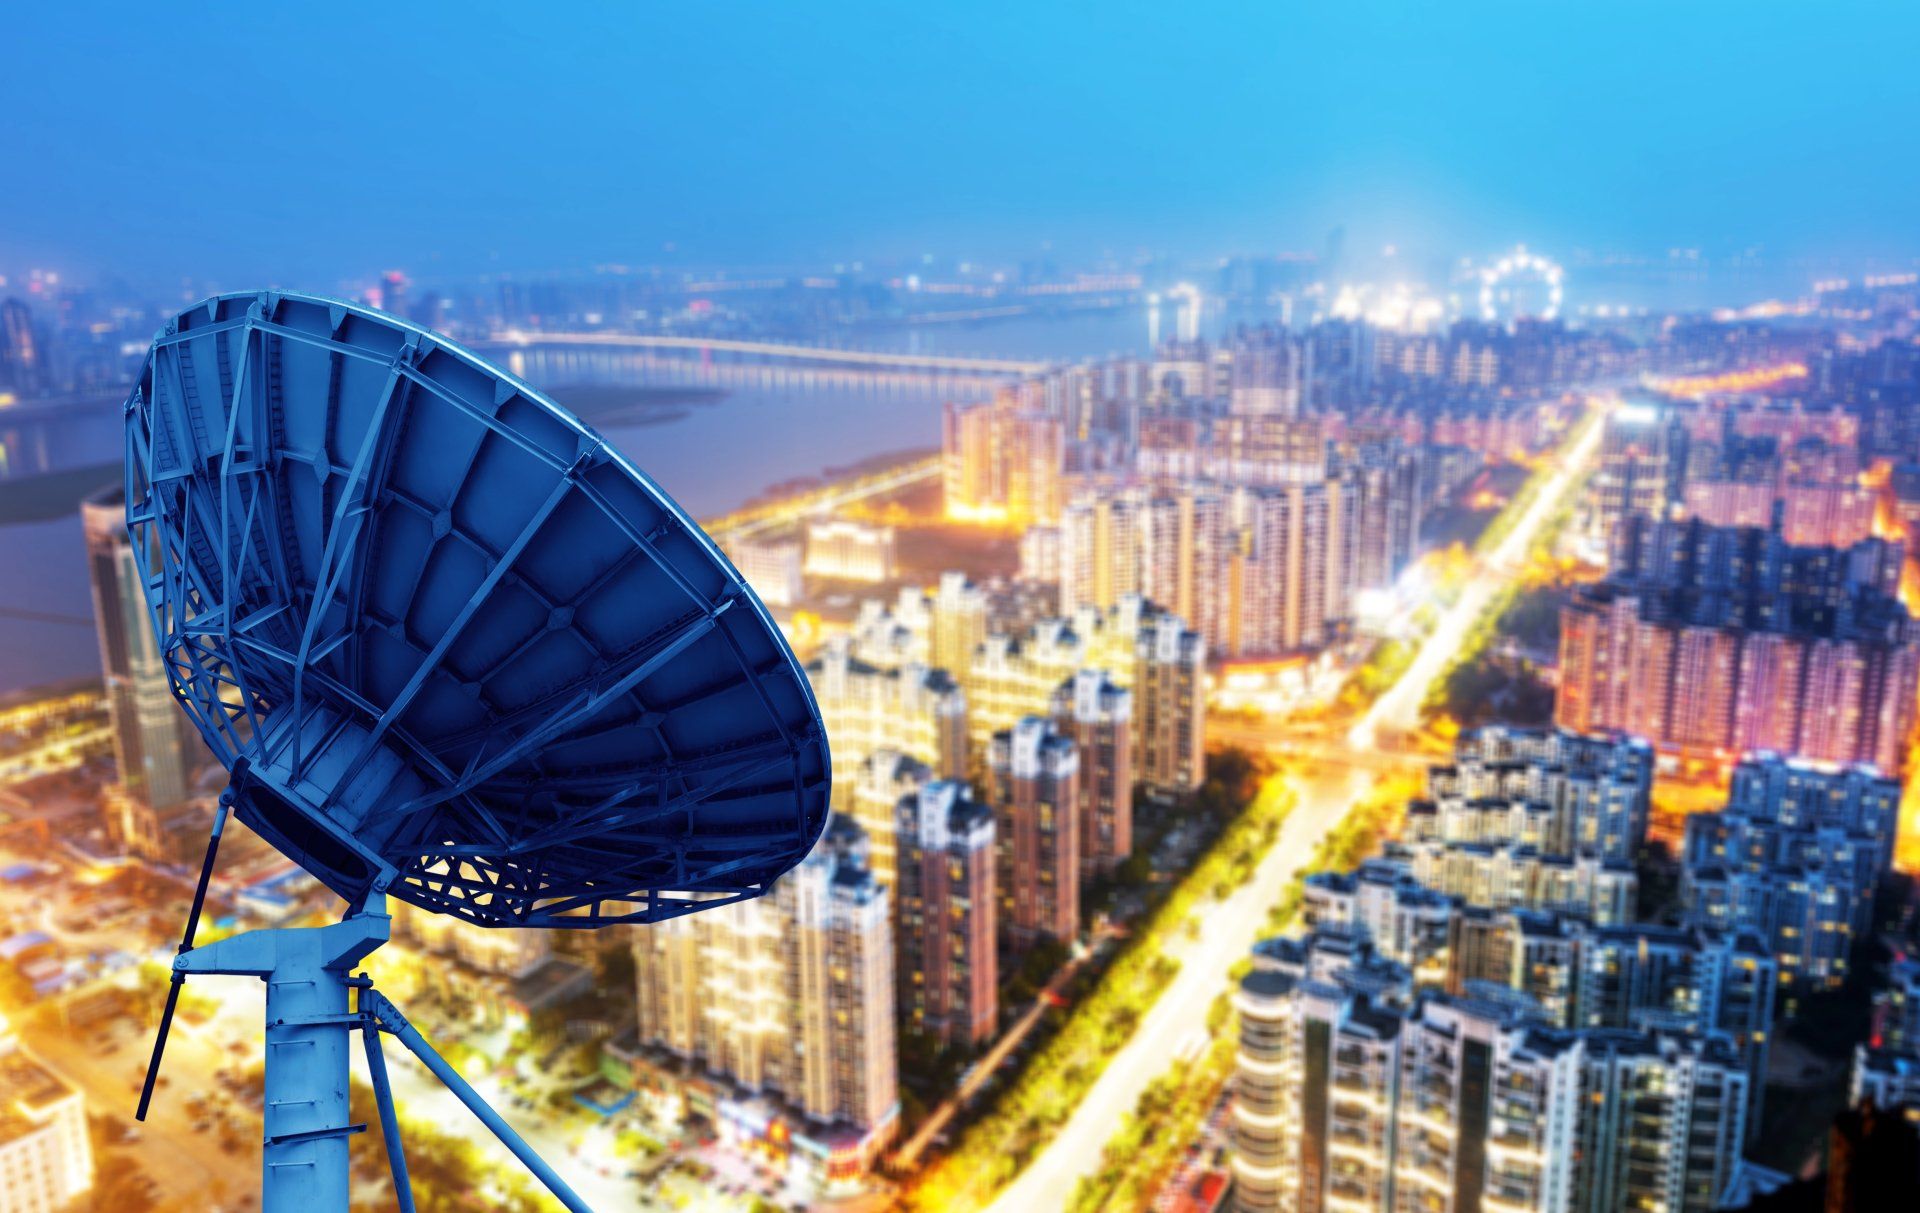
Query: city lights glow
[
  {"x": 1732, "y": 383},
  {"x": 1500, "y": 281},
  {"x": 1350, "y": 625}
]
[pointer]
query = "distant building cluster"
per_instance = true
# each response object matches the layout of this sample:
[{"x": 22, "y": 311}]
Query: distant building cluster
[
  {"x": 1719, "y": 641},
  {"x": 1256, "y": 488},
  {"x": 1796, "y": 471}
]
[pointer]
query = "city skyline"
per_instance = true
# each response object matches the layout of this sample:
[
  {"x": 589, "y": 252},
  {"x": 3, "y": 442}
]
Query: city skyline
[{"x": 1236, "y": 608}]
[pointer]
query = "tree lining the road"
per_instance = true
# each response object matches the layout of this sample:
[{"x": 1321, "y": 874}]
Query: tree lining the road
[
  {"x": 1043, "y": 1093},
  {"x": 998, "y": 1147},
  {"x": 1140, "y": 1157},
  {"x": 449, "y": 1173}
]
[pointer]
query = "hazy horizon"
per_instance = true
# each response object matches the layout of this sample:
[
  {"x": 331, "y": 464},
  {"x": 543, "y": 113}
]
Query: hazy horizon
[{"x": 254, "y": 146}]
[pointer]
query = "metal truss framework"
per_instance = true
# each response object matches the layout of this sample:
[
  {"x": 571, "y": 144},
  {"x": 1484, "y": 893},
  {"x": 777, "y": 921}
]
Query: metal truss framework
[{"x": 448, "y": 640}]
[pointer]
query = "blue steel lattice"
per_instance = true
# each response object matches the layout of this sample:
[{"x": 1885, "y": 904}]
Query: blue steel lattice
[{"x": 446, "y": 639}]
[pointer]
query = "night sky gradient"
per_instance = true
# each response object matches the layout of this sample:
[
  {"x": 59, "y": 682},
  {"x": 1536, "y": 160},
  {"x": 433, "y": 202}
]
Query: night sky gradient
[{"x": 164, "y": 140}]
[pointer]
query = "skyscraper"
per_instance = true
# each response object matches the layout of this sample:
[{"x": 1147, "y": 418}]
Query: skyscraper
[
  {"x": 155, "y": 746},
  {"x": 948, "y": 909},
  {"x": 1035, "y": 776},
  {"x": 1098, "y": 716},
  {"x": 1169, "y": 706},
  {"x": 23, "y": 369}
]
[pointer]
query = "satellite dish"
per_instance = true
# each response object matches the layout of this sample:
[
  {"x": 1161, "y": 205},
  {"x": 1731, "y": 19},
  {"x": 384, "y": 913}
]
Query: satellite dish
[
  {"x": 451, "y": 646},
  {"x": 442, "y": 633}
]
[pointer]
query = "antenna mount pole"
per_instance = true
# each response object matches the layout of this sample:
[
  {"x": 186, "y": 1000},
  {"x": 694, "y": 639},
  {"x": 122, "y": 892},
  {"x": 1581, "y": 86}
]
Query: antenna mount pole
[{"x": 304, "y": 1166}]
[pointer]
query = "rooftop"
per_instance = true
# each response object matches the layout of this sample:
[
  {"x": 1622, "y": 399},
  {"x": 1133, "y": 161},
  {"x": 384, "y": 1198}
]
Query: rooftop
[{"x": 31, "y": 1090}]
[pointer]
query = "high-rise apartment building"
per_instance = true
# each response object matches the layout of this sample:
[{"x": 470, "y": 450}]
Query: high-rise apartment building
[
  {"x": 1097, "y": 714},
  {"x": 957, "y": 617},
  {"x": 1796, "y": 855},
  {"x": 1665, "y": 1120},
  {"x": 46, "y": 1161},
  {"x": 1035, "y": 777},
  {"x": 1643, "y": 452},
  {"x": 786, "y": 998},
  {"x": 1533, "y": 820},
  {"x": 1561, "y": 969},
  {"x": 1719, "y": 642},
  {"x": 155, "y": 746},
  {"x": 1390, "y": 477},
  {"x": 911, "y": 710},
  {"x": 1004, "y": 459},
  {"x": 1269, "y": 565},
  {"x": 1647, "y": 977},
  {"x": 1353, "y": 1093},
  {"x": 891, "y": 635},
  {"x": 1785, "y": 470},
  {"x": 948, "y": 904},
  {"x": 885, "y": 777},
  {"x": 1265, "y": 449},
  {"x": 1290, "y": 579},
  {"x": 1886, "y": 1069},
  {"x": 1014, "y": 677},
  {"x": 772, "y": 567},
  {"x": 1515, "y": 876},
  {"x": 1170, "y": 707},
  {"x": 1264, "y": 372},
  {"x": 1380, "y": 901},
  {"x": 1170, "y": 547},
  {"x": 1586, "y": 794}
]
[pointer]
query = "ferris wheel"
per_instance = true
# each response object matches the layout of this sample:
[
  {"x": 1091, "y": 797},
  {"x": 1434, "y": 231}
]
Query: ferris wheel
[{"x": 1521, "y": 284}]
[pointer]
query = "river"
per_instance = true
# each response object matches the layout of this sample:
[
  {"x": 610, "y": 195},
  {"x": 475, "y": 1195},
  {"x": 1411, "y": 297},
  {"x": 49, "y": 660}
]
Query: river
[{"x": 712, "y": 451}]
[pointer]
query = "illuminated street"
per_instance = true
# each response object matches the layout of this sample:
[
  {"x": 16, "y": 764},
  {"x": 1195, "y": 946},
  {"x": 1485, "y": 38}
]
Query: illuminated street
[
  {"x": 931, "y": 609},
  {"x": 1234, "y": 925}
]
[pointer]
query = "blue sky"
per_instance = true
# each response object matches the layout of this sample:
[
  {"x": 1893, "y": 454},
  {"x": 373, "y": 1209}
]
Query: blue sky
[{"x": 227, "y": 141}]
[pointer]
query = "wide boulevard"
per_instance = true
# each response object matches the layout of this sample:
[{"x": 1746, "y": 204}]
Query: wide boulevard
[{"x": 1232, "y": 927}]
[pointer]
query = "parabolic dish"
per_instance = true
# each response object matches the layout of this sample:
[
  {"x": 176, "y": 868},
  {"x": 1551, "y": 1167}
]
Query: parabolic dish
[{"x": 449, "y": 642}]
